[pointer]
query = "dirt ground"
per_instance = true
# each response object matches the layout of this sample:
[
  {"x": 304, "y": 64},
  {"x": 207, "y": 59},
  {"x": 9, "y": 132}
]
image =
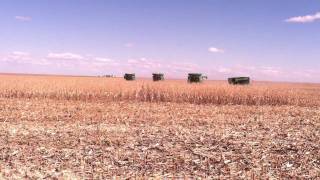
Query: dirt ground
[{"x": 43, "y": 138}]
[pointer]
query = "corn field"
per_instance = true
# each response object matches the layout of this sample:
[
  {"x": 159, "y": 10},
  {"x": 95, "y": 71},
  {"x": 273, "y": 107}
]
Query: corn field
[
  {"x": 179, "y": 91},
  {"x": 55, "y": 127}
]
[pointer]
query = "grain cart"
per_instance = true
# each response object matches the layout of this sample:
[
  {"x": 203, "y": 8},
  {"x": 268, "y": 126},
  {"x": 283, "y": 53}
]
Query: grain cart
[{"x": 239, "y": 80}]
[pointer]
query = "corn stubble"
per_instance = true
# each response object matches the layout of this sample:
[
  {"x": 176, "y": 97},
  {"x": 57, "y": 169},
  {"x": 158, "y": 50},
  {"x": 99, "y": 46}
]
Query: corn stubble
[{"x": 97, "y": 128}]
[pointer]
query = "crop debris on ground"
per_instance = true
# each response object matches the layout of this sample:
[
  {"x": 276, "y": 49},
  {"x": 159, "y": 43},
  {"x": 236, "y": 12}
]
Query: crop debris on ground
[{"x": 97, "y": 128}]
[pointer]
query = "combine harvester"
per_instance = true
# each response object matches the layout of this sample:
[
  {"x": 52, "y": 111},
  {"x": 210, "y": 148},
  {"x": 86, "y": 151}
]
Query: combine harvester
[
  {"x": 130, "y": 77},
  {"x": 196, "y": 77},
  {"x": 158, "y": 77}
]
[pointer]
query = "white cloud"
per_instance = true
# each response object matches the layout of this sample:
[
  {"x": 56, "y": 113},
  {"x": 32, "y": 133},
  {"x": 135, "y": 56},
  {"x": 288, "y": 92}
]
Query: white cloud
[
  {"x": 23, "y": 18},
  {"x": 215, "y": 50},
  {"x": 129, "y": 45},
  {"x": 270, "y": 71},
  {"x": 224, "y": 70},
  {"x": 304, "y": 19},
  {"x": 100, "y": 59},
  {"x": 133, "y": 61},
  {"x": 149, "y": 66},
  {"x": 185, "y": 66},
  {"x": 65, "y": 56},
  {"x": 18, "y": 55},
  {"x": 144, "y": 66},
  {"x": 143, "y": 63}
]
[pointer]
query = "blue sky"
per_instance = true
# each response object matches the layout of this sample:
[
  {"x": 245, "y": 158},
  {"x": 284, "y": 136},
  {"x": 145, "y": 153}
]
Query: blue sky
[{"x": 267, "y": 40}]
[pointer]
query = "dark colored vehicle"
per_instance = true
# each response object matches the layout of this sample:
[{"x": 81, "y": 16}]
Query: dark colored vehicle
[
  {"x": 157, "y": 77},
  {"x": 195, "y": 77},
  {"x": 239, "y": 80},
  {"x": 129, "y": 77}
]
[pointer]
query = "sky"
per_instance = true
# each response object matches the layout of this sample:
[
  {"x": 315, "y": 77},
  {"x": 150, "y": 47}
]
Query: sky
[{"x": 267, "y": 40}]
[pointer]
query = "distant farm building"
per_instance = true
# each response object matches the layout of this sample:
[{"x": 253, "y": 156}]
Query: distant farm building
[
  {"x": 158, "y": 77},
  {"x": 239, "y": 80},
  {"x": 196, "y": 77},
  {"x": 129, "y": 77},
  {"x": 109, "y": 76}
]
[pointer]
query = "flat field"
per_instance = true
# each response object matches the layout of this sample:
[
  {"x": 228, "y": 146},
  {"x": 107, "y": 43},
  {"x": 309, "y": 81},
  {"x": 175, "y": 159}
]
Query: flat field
[{"x": 98, "y": 128}]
